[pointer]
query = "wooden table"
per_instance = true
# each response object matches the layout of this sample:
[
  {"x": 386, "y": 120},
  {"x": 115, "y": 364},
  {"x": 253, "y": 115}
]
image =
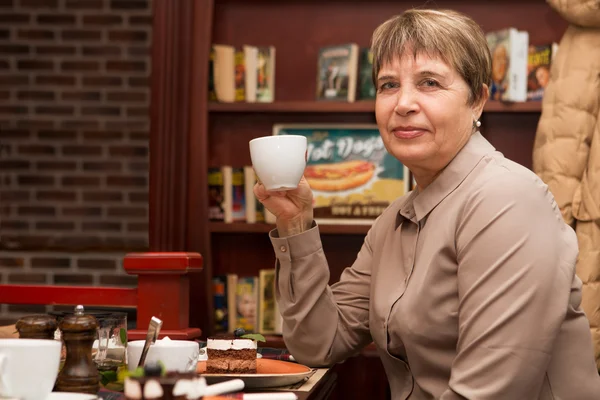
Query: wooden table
[
  {"x": 323, "y": 390},
  {"x": 320, "y": 390}
]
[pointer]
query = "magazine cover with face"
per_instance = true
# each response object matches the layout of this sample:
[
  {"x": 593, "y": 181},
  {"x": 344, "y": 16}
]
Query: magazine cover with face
[
  {"x": 509, "y": 50},
  {"x": 352, "y": 175}
]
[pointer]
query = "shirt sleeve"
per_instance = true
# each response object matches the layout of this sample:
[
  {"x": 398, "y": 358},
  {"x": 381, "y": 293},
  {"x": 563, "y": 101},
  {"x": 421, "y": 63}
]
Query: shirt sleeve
[
  {"x": 516, "y": 261},
  {"x": 322, "y": 324}
]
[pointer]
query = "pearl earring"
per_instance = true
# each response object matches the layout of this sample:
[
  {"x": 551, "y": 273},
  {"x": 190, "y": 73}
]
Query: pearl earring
[{"x": 476, "y": 124}]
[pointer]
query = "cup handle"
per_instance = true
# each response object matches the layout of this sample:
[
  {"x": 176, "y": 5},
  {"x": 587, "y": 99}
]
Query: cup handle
[{"x": 3, "y": 363}]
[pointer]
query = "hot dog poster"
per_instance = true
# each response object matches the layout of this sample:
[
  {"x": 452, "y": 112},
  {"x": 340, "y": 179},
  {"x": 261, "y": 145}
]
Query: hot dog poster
[{"x": 352, "y": 175}]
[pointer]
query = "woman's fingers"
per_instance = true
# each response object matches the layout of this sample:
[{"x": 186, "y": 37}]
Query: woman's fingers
[{"x": 260, "y": 192}]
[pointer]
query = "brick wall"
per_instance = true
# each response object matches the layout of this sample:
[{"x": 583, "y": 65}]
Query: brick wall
[{"x": 74, "y": 104}]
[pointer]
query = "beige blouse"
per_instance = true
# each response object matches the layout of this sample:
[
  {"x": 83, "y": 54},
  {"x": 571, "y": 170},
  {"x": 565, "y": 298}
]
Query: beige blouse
[{"x": 468, "y": 290}]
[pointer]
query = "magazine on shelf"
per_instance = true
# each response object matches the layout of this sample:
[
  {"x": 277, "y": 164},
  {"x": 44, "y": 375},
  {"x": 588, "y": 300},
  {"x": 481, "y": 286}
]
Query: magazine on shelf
[{"x": 509, "y": 49}]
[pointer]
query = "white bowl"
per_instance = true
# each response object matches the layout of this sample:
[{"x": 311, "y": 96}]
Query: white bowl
[{"x": 176, "y": 355}]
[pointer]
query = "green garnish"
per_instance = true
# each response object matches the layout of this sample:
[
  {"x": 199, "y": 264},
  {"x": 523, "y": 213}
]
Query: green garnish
[
  {"x": 163, "y": 368},
  {"x": 123, "y": 336},
  {"x": 107, "y": 376},
  {"x": 254, "y": 336}
]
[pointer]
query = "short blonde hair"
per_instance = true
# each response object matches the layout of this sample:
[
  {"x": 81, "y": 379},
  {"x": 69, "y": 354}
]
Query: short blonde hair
[{"x": 450, "y": 35}]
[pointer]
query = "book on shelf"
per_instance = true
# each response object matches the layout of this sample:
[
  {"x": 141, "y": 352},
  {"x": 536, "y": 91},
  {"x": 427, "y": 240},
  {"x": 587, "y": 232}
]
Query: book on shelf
[
  {"x": 224, "y": 302},
  {"x": 245, "y": 74},
  {"x": 254, "y": 208},
  {"x": 222, "y": 60},
  {"x": 220, "y": 304},
  {"x": 246, "y": 302},
  {"x": 238, "y": 196},
  {"x": 269, "y": 316},
  {"x": 509, "y": 50},
  {"x": 366, "y": 88},
  {"x": 539, "y": 62},
  {"x": 231, "y": 295},
  {"x": 265, "y": 85},
  {"x": 240, "y": 76},
  {"x": 231, "y": 195},
  {"x": 337, "y": 72},
  {"x": 251, "y": 70},
  {"x": 226, "y": 194},
  {"x": 216, "y": 195}
]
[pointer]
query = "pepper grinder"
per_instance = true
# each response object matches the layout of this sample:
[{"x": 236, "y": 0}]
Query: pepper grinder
[
  {"x": 79, "y": 374},
  {"x": 36, "y": 327}
]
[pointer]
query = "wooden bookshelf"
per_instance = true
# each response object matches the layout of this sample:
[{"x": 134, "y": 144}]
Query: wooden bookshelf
[
  {"x": 339, "y": 107},
  {"x": 242, "y": 227},
  {"x": 501, "y": 107}
]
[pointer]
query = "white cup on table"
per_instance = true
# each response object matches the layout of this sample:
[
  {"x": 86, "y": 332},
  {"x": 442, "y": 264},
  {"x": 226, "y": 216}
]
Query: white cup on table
[
  {"x": 176, "y": 355},
  {"x": 28, "y": 367},
  {"x": 279, "y": 160}
]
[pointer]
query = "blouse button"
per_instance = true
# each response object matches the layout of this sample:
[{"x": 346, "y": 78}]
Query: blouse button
[{"x": 283, "y": 249}]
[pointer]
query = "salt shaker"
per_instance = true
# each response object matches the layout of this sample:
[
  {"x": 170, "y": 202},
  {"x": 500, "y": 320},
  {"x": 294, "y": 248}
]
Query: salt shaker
[{"x": 79, "y": 374}]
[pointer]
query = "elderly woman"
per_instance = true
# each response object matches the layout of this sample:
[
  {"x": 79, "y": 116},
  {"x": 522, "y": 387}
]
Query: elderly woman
[{"x": 467, "y": 284}]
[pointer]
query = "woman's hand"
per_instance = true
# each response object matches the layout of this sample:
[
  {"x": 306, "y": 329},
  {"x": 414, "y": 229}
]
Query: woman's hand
[{"x": 292, "y": 208}]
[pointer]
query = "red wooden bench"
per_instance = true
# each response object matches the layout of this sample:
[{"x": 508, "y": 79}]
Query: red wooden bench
[{"x": 162, "y": 291}]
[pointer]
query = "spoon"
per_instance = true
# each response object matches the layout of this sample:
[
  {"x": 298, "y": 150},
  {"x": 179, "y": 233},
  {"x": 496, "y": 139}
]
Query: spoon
[{"x": 151, "y": 336}]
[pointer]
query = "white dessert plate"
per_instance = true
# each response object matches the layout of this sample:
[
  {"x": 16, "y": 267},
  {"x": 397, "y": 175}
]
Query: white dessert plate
[
  {"x": 71, "y": 396},
  {"x": 269, "y": 373}
]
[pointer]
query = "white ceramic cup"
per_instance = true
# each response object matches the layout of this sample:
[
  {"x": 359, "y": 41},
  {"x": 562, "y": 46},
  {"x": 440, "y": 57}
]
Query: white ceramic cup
[
  {"x": 279, "y": 160},
  {"x": 176, "y": 355},
  {"x": 28, "y": 367}
]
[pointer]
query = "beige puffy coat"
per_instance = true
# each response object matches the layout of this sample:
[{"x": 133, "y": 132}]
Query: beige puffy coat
[{"x": 566, "y": 153}]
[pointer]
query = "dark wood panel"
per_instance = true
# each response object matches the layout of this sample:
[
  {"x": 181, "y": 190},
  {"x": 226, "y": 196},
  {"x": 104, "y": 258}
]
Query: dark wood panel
[
  {"x": 298, "y": 29},
  {"x": 512, "y": 134},
  {"x": 246, "y": 253},
  {"x": 242, "y": 253},
  {"x": 197, "y": 235},
  {"x": 169, "y": 125},
  {"x": 341, "y": 252},
  {"x": 178, "y": 203}
]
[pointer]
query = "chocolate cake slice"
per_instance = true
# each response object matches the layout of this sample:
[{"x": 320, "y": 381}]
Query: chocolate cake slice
[{"x": 230, "y": 354}]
